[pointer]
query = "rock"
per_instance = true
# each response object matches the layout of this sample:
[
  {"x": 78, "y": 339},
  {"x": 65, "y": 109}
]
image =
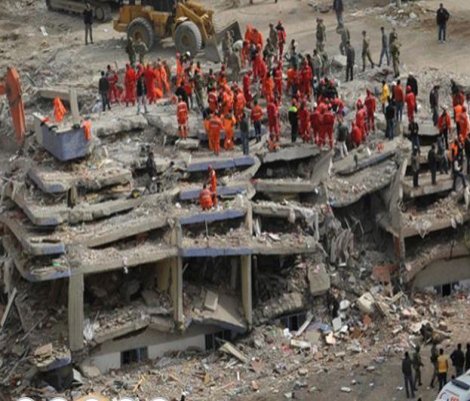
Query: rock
[
  {"x": 366, "y": 303},
  {"x": 339, "y": 61},
  {"x": 344, "y": 304},
  {"x": 313, "y": 337},
  {"x": 346, "y": 389},
  {"x": 319, "y": 279},
  {"x": 303, "y": 372},
  {"x": 330, "y": 339},
  {"x": 370, "y": 368},
  {"x": 43, "y": 351},
  {"x": 288, "y": 396},
  {"x": 300, "y": 344},
  {"x": 340, "y": 354},
  {"x": 337, "y": 324},
  {"x": 90, "y": 371},
  {"x": 254, "y": 385},
  {"x": 187, "y": 144}
]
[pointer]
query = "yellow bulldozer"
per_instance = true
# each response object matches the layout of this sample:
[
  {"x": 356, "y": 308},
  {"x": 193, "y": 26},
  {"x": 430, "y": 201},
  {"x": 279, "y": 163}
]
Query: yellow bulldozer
[{"x": 188, "y": 22}]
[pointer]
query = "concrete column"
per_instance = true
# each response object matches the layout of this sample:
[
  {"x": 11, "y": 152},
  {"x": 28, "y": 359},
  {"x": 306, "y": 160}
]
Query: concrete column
[
  {"x": 247, "y": 298},
  {"x": 249, "y": 219},
  {"x": 75, "y": 312},
  {"x": 163, "y": 270},
  {"x": 176, "y": 265}
]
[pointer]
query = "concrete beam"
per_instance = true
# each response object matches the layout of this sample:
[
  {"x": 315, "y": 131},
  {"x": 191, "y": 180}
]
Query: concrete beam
[
  {"x": 291, "y": 153},
  {"x": 284, "y": 186},
  {"x": 220, "y": 163},
  {"x": 60, "y": 92},
  {"x": 176, "y": 265},
  {"x": 122, "y": 121},
  {"x": 210, "y": 217},
  {"x": 76, "y": 311},
  {"x": 444, "y": 183},
  {"x": 227, "y": 191},
  {"x": 213, "y": 252},
  {"x": 246, "y": 288}
]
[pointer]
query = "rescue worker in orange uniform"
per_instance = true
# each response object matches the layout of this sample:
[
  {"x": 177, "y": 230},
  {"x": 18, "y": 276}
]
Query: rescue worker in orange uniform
[
  {"x": 371, "y": 107},
  {"x": 215, "y": 126},
  {"x": 229, "y": 124},
  {"x": 457, "y": 110},
  {"x": 205, "y": 198},
  {"x": 256, "y": 116},
  {"x": 130, "y": 85},
  {"x": 329, "y": 122},
  {"x": 292, "y": 79},
  {"x": 304, "y": 122},
  {"x": 212, "y": 100},
  {"x": 272, "y": 111},
  {"x": 213, "y": 184},
  {"x": 281, "y": 39},
  {"x": 257, "y": 38},
  {"x": 463, "y": 124},
  {"x": 321, "y": 126},
  {"x": 361, "y": 116},
  {"x": 410, "y": 101},
  {"x": 356, "y": 135},
  {"x": 149, "y": 78},
  {"x": 278, "y": 82},
  {"x": 182, "y": 117},
  {"x": 306, "y": 76},
  {"x": 112, "y": 77},
  {"x": 444, "y": 126},
  {"x": 239, "y": 105},
  {"x": 164, "y": 77},
  {"x": 268, "y": 88},
  {"x": 247, "y": 87},
  {"x": 315, "y": 123}
]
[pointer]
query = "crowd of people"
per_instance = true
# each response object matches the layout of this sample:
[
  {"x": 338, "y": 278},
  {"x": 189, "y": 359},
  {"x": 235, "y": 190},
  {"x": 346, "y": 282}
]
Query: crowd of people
[{"x": 441, "y": 367}]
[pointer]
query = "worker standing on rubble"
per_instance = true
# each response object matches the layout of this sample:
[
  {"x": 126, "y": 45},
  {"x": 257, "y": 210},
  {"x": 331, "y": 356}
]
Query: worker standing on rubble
[
  {"x": 444, "y": 126},
  {"x": 339, "y": 8},
  {"x": 129, "y": 85},
  {"x": 229, "y": 124},
  {"x": 88, "y": 21},
  {"x": 432, "y": 163},
  {"x": 371, "y": 106},
  {"x": 356, "y": 135},
  {"x": 395, "y": 52},
  {"x": 390, "y": 119},
  {"x": 103, "y": 86},
  {"x": 433, "y": 359},
  {"x": 366, "y": 51},
  {"x": 341, "y": 136},
  {"x": 384, "y": 96},
  {"x": 256, "y": 116},
  {"x": 112, "y": 77},
  {"x": 434, "y": 103},
  {"x": 151, "y": 170},
  {"x": 442, "y": 160},
  {"x": 385, "y": 47},
  {"x": 141, "y": 93},
  {"x": 442, "y": 16},
  {"x": 272, "y": 112},
  {"x": 442, "y": 369},
  {"x": 281, "y": 39},
  {"x": 130, "y": 50},
  {"x": 245, "y": 133},
  {"x": 304, "y": 122},
  {"x": 410, "y": 101},
  {"x": 328, "y": 121},
  {"x": 415, "y": 165},
  {"x": 215, "y": 126},
  {"x": 417, "y": 365},
  {"x": 399, "y": 97},
  {"x": 343, "y": 31},
  {"x": 413, "y": 129},
  {"x": 205, "y": 198},
  {"x": 458, "y": 360},
  {"x": 457, "y": 171},
  {"x": 406, "y": 368},
  {"x": 212, "y": 181},
  {"x": 463, "y": 123},
  {"x": 293, "y": 120},
  {"x": 182, "y": 118},
  {"x": 412, "y": 82},
  {"x": 350, "y": 59},
  {"x": 320, "y": 35}
]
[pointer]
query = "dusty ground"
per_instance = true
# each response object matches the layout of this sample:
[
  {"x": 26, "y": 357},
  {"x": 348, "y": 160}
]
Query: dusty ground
[{"x": 61, "y": 58}]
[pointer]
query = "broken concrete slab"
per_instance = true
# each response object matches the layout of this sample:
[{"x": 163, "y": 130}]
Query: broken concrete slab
[
  {"x": 220, "y": 163},
  {"x": 366, "y": 303},
  {"x": 211, "y": 301},
  {"x": 192, "y": 193},
  {"x": 284, "y": 186},
  {"x": 90, "y": 372},
  {"x": 291, "y": 153},
  {"x": 56, "y": 91},
  {"x": 56, "y": 181},
  {"x": 124, "y": 120},
  {"x": 230, "y": 349},
  {"x": 444, "y": 183},
  {"x": 187, "y": 144},
  {"x": 318, "y": 279}
]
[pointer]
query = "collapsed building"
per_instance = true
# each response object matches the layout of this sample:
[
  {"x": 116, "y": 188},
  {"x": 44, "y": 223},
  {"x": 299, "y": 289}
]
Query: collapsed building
[{"x": 125, "y": 275}]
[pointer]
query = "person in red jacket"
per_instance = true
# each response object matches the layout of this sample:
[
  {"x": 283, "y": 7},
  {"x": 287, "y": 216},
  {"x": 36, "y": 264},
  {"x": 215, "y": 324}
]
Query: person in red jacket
[
  {"x": 463, "y": 124},
  {"x": 361, "y": 120},
  {"x": 205, "y": 198},
  {"x": 257, "y": 65},
  {"x": 371, "y": 106},
  {"x": 329, "y": 123},
  {"x": 239, "y": 105},
  {"x": 215, "y": 126},
  {"x": 281, "y": 39},
  {"x": 273, "y": 120},
  {"x": 247, "y": 87},
  {"x": 444, "y": 125},
  {"x": 182, "y": 117},
  {"x": 130, "y": 85},
  {"x": 304, "y": 122},
  {"x": 213, "y": 100},
  {"x": 356, "y": 135},
  {"x": 256, "y": 116},
  {"x": 149, "y": 79},
  {"x": 212, "y": 179},
  {"x": 315, "y": 123},
  {"x": 321, "y": 124},
  {"x": 306, "y": 76},
  {"x": 278, "y": 82},
  {"x": 268, "y": 88},
  {"x": 399, "y": 98},
  {"x": 410, "y": 101},
  {"x": 112, "y": 77}
]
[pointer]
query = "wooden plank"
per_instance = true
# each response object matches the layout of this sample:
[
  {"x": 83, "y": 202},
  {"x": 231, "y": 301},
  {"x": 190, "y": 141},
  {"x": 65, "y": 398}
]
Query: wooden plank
[{"x": 11, "y": 299}]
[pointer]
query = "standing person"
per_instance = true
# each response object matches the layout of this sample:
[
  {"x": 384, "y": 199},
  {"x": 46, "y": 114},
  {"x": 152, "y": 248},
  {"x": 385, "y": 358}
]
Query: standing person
[
  {"x": 341, "y": 136},
  {"x": 457, "y": 168},
  {"x": 293, "y": 121},
  {"x": 434, "y": 103},
  {"x": 444, "y": 126},
  {"x": 212, "y": 182},
  {"x": 103, "y": 87},
  {"x": 141, "y": 94},
  {"x": 442, "y": 16},
  {"x": 395, "y": 52},
  {"x": 385, "y": 95},
  {"x": 458, "y": 360},
  {"x": 130, "y": 50},
  {"x": 442, "y": 369},
  {"x": 412, "y": 82},
  {"x": 182, "y": 118},
  {"x": 406, "y": 369},
  {"x": 415, "y": 167},
  {"x": 88, "y": 21},
  {"x": 256, "y": 116},
  {"x": 433, "y": 358},
  {"x": 442, "y": 156},
  {"x": 215, "y": 126},
  {"x": 350, "y": 56},
  {"x": 245, "y": 133},
  {"x": 410, "y": 100},
  {"x": 281, "y": 38},
  {"x": 317, "y": 63},
  {"x": 371, "y": 106},
  {"x": 417, "y": 365},
  {"x": 467, "y": 358},
  {"x": 432, "y": 163},
  {"x": 320, "y": 35},
  {"x": 399, "y": 97},
  {"x": 413, "y": 129},
  {"x": 385, "y": 48},
  {"x": 366, "y": 51},
  {"x": 339, "y": 8},
  {"x": 390, "y": 119}
]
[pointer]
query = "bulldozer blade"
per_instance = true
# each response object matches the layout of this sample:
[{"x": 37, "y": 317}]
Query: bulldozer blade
[{"x": 213, "y": 47}]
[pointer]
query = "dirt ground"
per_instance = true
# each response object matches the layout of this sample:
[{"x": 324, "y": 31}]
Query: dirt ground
[{"x": 62, "y": 59}]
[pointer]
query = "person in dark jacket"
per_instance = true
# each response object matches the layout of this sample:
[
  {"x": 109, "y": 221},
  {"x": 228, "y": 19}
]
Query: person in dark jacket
[
  {"x": 141, "y": 94},
  {"x": 103, "y": 87},
  {"x": 88, "y": 21},
  {"x": 432, "y": 163},
  {"x": 412, "y": 82},
  {"x": 415, "y": 167},
  {"x": 442, "y": 16},
  {"x": 457, "y": 167},
  {"x": 390, "y": 119},
  {"x": 339, "y": 8},
  {"x": 341, "y": 136},
  {"x": 245, "y": 134},
  {"x": 181, "y": 92},
  {"x": 293, "y": 116},
  {"x": 434, "y": 103},
  {"x": 413, "y": 129},
  {"x": 442, "y": 156},
  {"x": 407, "y": 370},
  {"x": 350, "y": 60},
  {"x": 458, "y": 360}
]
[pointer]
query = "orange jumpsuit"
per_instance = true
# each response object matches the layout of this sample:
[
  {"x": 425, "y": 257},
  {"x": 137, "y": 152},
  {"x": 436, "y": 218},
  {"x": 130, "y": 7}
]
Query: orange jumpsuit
[
  {"x": 273, "y": 121},
  {"x": 215, "y": 126},
  {"x": 213, "y": 101},
  {"x": 463, "y": 124},
  {"x": 149, "y": 77},
  {"x": 213, "y": 186},
  {"x": 268, "y": 89},
  {"x": 315, "y": 122},
  {"x": 247, "y": 88},
  {"x": 182, "y": 117},
  {"x": 356, "y": 135},
  {"x": 371, "y": 106},
  {"x": 113, "y": 93},
  {"x": 129, "y": 85},
  {"x": 205, "y": 199},
  {"x": 229, "y": 124},
  {"x": 410, "y": 101},
  {"x": 278, "y": 83},
  {"x": 329, "y": 122},
  {"x": 304, "y": 123},
  {"x": 361, "y": 121},
  {"x": 306, "y": 76},
  {"x": 239, "y": 106}
]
